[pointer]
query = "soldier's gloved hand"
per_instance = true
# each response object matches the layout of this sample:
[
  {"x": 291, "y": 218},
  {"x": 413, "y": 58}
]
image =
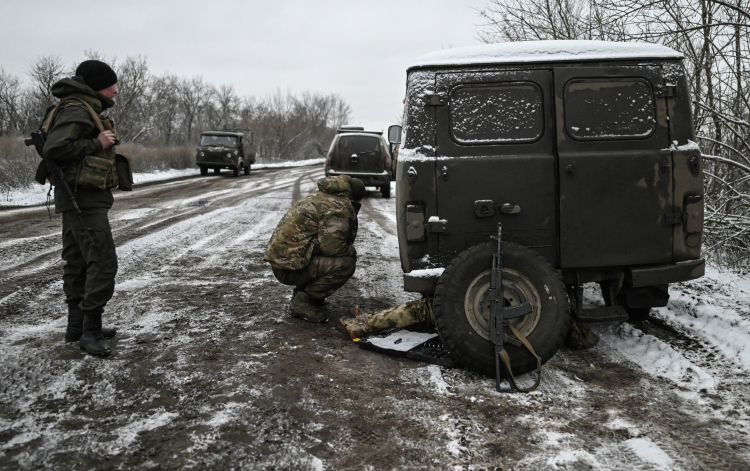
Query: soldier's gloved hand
[
  {"x": 107, "y": 138},
  {"x": 352, "y": 252}
]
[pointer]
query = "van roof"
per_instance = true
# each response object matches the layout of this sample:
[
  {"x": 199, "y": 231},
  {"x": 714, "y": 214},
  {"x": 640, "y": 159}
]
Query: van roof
[
  {"x": 222, "y": 133},
  {"x": 359, "y": 133},
  {"x": 545, "y": 51}
]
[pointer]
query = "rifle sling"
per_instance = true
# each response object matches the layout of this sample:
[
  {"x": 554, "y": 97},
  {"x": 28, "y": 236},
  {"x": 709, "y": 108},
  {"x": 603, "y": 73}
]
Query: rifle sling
[{"x": 506, "y": 360}]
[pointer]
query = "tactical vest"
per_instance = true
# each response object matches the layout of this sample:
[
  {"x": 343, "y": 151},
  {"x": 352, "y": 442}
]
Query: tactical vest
[{"x": 97, "y": 171}]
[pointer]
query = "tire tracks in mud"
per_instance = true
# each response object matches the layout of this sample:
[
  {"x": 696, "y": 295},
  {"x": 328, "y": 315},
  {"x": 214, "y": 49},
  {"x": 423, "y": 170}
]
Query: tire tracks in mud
[{"x": 647, "y": 408}]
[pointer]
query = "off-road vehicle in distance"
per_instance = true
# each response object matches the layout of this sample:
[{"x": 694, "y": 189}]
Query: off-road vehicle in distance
[
  {"x": 225, "y": 149},
  {"x": 361, "y": 154},
  {"x": 583, "y": 150}
]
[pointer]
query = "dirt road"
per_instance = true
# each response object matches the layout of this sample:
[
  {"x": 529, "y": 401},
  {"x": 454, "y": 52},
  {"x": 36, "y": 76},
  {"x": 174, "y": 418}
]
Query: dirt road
[{"x": 209, "y": 372}]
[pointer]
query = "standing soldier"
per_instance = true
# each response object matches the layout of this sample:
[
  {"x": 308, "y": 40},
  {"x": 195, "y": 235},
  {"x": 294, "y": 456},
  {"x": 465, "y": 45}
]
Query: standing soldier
[
  {"x": 82, "y": 143},
  {"x": 311, "y": 248}
]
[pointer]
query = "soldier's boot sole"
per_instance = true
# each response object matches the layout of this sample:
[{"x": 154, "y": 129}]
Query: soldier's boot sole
[{"x": 356, "y": 327}]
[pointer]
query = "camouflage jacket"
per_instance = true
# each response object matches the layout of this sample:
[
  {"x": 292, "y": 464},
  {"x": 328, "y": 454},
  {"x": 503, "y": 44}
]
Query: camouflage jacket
[{"x": 324, "y": 223}]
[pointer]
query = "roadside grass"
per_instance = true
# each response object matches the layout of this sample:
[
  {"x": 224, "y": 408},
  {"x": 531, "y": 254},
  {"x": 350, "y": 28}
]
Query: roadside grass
[
  {"x": 18, "y": 164},
  {"x": 145, "y": 159}
]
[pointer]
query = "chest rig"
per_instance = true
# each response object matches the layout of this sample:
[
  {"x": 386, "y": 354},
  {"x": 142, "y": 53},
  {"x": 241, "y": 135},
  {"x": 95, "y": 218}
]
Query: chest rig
[{"x": 98, "y": 171}]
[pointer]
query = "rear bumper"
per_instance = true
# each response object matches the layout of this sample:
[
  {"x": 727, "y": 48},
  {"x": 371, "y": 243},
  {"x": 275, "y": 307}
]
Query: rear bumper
[
  {"x": 424, "y": 281},
  {"x": 665, "y": 274},
  {"x": 369, "y": 179}
]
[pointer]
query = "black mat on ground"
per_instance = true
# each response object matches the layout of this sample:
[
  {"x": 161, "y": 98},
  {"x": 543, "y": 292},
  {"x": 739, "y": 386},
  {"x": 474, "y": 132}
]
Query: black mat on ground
[{"x": 430, "y": 351}]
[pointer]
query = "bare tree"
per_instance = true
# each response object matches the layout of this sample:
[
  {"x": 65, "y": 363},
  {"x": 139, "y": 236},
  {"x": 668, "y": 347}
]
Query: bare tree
[
  {"x": 525, "y": 20},
  {"x": 44, "y": 73},
  {"x": 167, "y": 106},
  {"x": 11, "y": 102},
  {"x": 134, "y": 104},
  {"x": 193, "y": 94}
]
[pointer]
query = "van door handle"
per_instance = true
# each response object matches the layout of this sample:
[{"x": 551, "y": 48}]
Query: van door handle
[
  {"x": 509, "y": 208},
  {"x": 571, "y": 169}
]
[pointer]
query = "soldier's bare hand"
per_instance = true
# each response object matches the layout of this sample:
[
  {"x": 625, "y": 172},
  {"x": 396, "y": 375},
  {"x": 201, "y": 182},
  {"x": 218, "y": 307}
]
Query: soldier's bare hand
[{"x": 107, "y": 138}]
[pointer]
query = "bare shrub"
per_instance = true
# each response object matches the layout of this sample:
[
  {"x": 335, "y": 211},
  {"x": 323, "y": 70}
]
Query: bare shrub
[{"x": 18, "y": 164}]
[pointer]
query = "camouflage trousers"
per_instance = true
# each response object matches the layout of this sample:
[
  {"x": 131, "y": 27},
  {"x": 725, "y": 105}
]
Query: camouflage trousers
[
  {"x": 413, "y": 312},
  {"x": 89, "y": 270},
  {"x": 321, "y": 277}
]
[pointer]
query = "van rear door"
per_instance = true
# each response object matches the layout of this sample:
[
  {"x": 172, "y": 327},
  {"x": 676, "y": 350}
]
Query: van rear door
[
  {"x": 360, "y": 154},
  {"x": 495, "y": 160},
  {"x": 615, "y": 168}
]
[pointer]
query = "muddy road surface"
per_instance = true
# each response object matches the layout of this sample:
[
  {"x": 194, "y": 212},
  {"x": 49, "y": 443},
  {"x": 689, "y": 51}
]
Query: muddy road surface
[{"x": 209, "y": 372}]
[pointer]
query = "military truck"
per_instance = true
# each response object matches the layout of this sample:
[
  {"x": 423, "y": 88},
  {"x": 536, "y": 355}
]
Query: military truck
[
  {"x": 361, "y": 154},
  {"x": 584, "y": 151},
  {"x": 225, "y": 149}
]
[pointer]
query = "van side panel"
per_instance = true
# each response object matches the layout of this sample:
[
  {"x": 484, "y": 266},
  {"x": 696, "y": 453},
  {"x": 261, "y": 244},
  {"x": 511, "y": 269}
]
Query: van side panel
[
  {"x": 687, "y": 167},
  {"x": 415, "y": 176}
]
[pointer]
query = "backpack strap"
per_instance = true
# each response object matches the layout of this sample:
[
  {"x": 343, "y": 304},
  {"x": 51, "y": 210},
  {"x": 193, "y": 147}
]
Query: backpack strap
[{"x": 71, "y": 101}]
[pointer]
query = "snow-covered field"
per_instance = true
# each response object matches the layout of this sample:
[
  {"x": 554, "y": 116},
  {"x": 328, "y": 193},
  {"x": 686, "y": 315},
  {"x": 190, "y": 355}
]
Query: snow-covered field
[{"x": 208, "y": 371}]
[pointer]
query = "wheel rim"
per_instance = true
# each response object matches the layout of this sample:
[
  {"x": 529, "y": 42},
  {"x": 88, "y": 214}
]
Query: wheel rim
[{"x": 517, "y": 289}]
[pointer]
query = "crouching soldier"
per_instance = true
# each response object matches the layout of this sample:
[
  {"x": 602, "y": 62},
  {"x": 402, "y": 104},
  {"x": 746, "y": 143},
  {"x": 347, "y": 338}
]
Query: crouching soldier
[
  {"x": 311, "y": 248},
  {"x": 420, "y": 312}
]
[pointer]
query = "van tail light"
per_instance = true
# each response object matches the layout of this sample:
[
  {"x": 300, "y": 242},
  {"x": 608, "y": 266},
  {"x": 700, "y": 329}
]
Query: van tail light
[{"x": 329, "y": 159}]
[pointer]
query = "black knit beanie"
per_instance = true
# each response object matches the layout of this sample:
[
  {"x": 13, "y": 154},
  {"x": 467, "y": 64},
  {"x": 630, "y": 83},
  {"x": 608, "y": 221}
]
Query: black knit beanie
[
  {"x": 358, "y": 189},
  {"x": 96, "y": 74}
]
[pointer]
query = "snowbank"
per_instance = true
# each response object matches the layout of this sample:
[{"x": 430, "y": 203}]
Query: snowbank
[
  {"x": 657, "y": 357},
  {"x": 296, "y": 163},
  {"x": 716, "y": 309}
]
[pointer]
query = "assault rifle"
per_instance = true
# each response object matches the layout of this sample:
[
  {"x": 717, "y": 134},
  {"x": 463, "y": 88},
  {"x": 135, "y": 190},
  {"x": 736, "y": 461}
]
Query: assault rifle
[
  {"x": 49, "y": 167},
  {"x": 499, "y": 317}
]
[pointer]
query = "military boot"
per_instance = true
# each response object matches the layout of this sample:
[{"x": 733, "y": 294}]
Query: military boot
[
  {"x": 356, "y": 327},
  {"x": 75, "y": 326},
  {"x": 580, "y": 336},
  {"x": 304, "y": 308},
  {"x": 92, "y": 339}
]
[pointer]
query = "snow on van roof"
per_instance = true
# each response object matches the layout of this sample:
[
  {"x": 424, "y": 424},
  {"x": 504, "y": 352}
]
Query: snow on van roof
[{"x": 546, "y": 51}]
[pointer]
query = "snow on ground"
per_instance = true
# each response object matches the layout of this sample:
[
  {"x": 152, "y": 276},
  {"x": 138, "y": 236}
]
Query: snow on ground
[
  {"x": 296, "y": 163},
  {"x": 36, "y": 195},
  {"x": 198, "y": 375},
  {"x": 716, "y": 309}
]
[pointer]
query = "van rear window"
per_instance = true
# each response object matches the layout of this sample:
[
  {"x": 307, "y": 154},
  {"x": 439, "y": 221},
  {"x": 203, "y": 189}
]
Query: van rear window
[
  {"x": 609, "y": 109},
  {"x": 496, "y": 113},
  {"x": 349, "y": 145}
]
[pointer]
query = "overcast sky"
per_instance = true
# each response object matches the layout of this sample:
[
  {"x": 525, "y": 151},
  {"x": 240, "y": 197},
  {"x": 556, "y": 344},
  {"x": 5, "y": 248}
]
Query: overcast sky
[{"x": 358, "y": 49}]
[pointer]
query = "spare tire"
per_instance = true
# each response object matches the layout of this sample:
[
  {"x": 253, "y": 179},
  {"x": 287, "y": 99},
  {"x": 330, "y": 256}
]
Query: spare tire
[{"x": 462, "y": 307}]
